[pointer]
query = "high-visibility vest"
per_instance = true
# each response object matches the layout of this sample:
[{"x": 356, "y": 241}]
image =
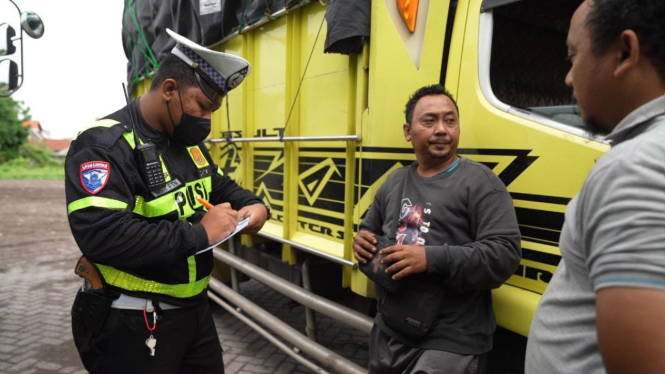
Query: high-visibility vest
[{"x": 163, "y": 205}]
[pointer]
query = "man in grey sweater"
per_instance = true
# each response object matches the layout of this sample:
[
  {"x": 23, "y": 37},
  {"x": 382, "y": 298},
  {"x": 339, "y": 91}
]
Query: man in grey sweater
[
  {"x": 454, "y": 225},
  {"x": 604, "y": 309}
]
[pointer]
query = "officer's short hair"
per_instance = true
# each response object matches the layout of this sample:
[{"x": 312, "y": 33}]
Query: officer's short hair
[{"x": 174, "y": 68}]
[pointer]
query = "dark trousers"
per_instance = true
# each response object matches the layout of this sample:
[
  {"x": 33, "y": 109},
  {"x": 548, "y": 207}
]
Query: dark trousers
[
  {"x": 389, "y": 356},
  {"x": 187, "y": 342}
]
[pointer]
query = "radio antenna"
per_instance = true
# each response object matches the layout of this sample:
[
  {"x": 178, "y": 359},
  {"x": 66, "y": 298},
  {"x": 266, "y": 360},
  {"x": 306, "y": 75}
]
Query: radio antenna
[{"x": 135, "y": 130}]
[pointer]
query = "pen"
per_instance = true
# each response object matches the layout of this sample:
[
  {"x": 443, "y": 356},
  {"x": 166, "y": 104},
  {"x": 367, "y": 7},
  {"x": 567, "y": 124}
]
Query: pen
[
  {"x": 208, "y": 205},
  {"x": 204, "y": 203}
]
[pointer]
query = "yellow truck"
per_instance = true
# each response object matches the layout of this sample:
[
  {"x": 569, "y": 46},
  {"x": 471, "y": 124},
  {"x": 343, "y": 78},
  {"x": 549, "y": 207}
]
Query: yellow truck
[{"x": 316, "y": 134}]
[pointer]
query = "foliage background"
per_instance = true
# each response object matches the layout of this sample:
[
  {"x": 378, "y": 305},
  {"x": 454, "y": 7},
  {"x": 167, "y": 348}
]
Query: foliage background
[
  {"x": 12, "y": 133},
  {"x": 33, "y": 162},
  {"x": 19, "y": 159}
]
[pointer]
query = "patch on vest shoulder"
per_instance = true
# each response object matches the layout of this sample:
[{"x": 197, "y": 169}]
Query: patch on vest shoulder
[
  {"x": 197, "y": 156},
  {"x": 94, "y": 175}
]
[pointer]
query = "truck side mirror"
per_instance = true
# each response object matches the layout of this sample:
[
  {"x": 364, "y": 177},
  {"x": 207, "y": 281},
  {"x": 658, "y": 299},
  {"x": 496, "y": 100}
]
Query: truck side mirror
[
  {"x": 32, "y": 24},
  {"x": 6, "y": 44},
  {"x": 8, "y": 76}
]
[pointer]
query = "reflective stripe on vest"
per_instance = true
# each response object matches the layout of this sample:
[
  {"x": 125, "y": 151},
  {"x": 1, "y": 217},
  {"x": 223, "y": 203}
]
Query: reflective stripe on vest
[
  {"x": 101, "y": 123},
  {"x": 130, "y": 282},
  {"x": 97, "y": 202},
  {"x": 128, "y": 135},
  {"x": 167, "y": 175}
]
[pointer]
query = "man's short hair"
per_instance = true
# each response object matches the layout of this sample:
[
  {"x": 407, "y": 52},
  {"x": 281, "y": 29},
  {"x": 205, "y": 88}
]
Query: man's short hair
[
  {"x": 607, "y": 19},
  {"x": 174, "y": 68},
  {"x": 435, "y": 89}
]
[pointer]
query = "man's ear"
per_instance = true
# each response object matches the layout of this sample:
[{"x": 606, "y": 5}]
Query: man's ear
[
  {"x": 407, "y": 132},
  {"x": 629, "y": 52},
  {"x": 169, "y": 89}
]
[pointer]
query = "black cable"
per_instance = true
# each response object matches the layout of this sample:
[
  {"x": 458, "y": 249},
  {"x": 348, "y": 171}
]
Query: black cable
[
  {"x": 244, "y": 16},
  {"x": 228, "y": 116},
  {"x": 281, "y": 135},
  {"x": 135, "y": 130},
  {"x": 172, "y": 17},
  {"x": 228, "y": 121}
]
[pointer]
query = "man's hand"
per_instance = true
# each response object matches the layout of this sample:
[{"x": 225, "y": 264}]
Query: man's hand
[
  {"x": 219, "y": 222},
  {"x": 363, "y": 246},
  {"x": 257, "y": 213},
  {"x": 405, "y": 259}
]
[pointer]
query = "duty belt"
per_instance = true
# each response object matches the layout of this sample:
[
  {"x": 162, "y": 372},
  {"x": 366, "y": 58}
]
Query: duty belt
[{"x": 136, "y": 303}]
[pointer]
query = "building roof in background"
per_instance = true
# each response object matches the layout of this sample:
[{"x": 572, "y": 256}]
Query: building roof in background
[
  {"x": 37, "y": 135},
  {"x": 57, "y": 144},
  {"x": 33, "y": 125}
]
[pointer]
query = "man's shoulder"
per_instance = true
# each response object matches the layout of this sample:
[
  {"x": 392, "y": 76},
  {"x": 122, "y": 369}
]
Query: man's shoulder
[
  {"x": 480, "y": 175},
  {"x": 398, "y": 174},
  {"x": 646, "y": 145},
  {"x": 630, "y": 171},
  {"x": 639, "y": 157},
  {"x": 103, "y": 133}
]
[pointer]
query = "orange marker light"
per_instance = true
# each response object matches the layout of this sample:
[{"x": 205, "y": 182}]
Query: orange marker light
[{"x": 408, "y": 9}]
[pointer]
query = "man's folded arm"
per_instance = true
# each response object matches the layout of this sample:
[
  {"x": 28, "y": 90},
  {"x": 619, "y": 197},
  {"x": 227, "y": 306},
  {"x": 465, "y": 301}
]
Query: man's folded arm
[{"x": 490, "y": 260}]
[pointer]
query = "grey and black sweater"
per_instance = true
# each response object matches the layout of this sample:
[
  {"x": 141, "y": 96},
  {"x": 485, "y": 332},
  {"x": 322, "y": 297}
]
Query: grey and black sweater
[{"x": 466, "y": 221}]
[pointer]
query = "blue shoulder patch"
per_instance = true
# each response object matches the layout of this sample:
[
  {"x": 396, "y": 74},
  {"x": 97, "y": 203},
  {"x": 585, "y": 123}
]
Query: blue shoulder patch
[{"x": 94, "y": 175}]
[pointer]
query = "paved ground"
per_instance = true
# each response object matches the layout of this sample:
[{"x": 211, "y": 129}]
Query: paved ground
[{"x": 37, "y": 288}]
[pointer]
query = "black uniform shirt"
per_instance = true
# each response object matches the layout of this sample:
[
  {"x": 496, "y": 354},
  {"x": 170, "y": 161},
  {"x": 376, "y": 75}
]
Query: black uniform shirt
[{"x": 104, "y": 186}]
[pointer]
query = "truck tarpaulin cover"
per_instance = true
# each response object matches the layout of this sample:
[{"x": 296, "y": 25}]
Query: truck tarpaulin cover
[
  {"x": 208, "y": 22},
  {"x": 348, "y": 26}
]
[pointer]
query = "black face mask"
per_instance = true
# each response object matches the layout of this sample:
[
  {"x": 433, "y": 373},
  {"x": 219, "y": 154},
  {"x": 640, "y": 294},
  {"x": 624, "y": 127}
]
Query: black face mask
[{"x": 191, "y": 130}]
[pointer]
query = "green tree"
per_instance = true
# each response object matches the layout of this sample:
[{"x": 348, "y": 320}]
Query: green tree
[{"x": 12, "y": 132}]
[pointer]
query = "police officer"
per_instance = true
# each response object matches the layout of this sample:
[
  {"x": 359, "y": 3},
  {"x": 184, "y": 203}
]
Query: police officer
[{"x": 132, "y": 183}]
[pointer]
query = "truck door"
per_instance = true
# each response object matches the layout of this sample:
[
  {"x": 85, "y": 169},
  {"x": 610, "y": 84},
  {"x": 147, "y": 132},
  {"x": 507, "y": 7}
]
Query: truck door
[{"x": 519, "y": 118}]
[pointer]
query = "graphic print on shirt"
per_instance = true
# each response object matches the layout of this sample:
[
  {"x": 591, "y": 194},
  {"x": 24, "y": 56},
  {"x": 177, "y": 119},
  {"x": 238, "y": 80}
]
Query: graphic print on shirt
[
  {"x": 413, "y": 223},
  {"x": 94, "y": 175}
]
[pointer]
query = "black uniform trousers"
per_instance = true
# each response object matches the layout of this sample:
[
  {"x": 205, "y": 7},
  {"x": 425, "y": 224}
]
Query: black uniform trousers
[{"x": 187, "y": 342}]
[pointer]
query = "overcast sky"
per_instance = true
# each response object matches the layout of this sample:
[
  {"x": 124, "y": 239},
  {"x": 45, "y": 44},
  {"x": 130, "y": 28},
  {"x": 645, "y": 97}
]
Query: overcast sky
[{"x": 74, "y": 73}]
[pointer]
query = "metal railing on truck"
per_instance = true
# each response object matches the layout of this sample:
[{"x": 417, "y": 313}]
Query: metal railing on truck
[{"x": 303, "y": 296}]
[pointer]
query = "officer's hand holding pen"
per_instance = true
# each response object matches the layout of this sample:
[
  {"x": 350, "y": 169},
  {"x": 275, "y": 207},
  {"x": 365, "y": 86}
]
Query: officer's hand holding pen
[{"x": 220, "y": 221}]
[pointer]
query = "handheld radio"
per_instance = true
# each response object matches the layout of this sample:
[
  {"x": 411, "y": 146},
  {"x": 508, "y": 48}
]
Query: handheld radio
[{"x": 148, "y": 157}]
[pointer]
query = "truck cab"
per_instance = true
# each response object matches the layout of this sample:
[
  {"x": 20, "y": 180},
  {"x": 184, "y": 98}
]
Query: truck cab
[{"x": 315, "y": 135}]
